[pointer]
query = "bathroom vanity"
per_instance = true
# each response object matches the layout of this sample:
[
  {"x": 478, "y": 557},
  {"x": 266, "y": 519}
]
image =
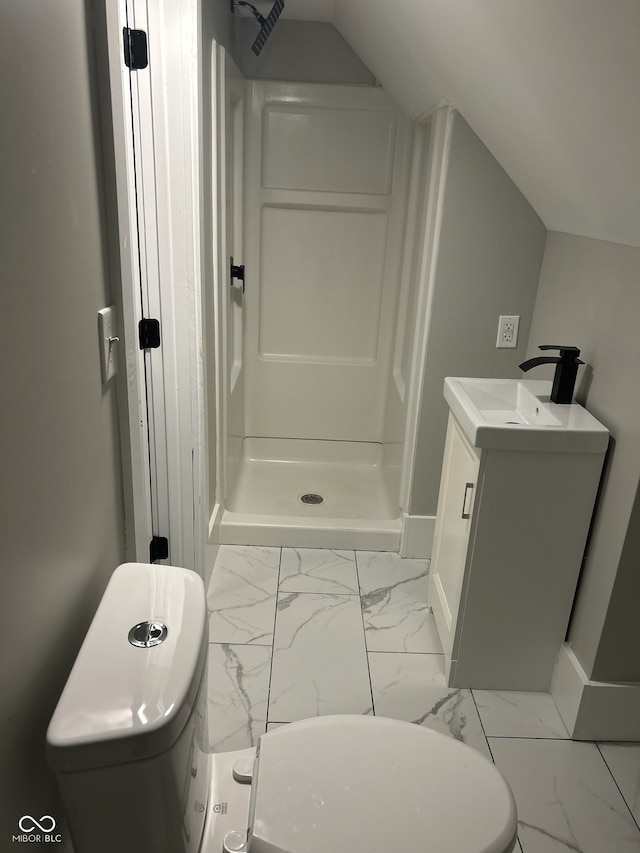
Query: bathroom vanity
[{"x": 519, "y": 482}]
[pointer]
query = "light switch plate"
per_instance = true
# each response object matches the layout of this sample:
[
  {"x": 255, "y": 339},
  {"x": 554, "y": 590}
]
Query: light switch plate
[{"x": 107, "y": 330}]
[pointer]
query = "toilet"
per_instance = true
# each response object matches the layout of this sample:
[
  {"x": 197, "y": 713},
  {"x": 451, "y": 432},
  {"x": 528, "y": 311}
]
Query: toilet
[{"x": 128, "y": 744}]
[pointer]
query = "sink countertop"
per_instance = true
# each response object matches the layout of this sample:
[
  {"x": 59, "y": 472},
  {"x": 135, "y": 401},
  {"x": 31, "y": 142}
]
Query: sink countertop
[{"x": 517, "y": 414}]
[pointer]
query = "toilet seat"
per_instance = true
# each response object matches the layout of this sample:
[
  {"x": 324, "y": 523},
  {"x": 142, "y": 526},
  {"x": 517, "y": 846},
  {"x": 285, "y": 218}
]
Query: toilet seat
[{"x": 351, "y": 783}]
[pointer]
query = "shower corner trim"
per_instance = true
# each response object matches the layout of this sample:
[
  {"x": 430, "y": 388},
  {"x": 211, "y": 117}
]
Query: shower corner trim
[{"x": 439, "y": 146}]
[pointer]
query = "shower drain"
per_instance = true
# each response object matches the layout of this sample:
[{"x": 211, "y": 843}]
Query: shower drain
[{"x": 311, "y": 498}]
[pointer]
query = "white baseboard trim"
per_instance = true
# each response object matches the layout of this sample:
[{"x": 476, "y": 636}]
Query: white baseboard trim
[
  {"x": 568, "y": 682},
  {"x": 594, "y": 710},
  {"x": 416, "y": 539}
]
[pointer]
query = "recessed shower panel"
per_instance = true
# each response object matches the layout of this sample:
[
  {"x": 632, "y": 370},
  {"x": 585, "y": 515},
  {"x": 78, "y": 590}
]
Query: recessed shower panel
[{"x": 325, "y": 171}]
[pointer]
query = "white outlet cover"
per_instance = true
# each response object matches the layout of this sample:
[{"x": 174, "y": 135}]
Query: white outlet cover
[{"x": 508, "y": 331}]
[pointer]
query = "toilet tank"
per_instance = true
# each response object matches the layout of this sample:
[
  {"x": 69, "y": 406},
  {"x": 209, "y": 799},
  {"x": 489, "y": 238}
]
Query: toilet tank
[{"x": 127, "y": 740}]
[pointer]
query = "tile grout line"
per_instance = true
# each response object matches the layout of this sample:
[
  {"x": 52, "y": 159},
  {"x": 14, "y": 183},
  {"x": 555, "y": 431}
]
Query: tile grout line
[
  {"x": 537, "y": 737},
  {"x": 273, "y": 639},
  {"x": 486, "y": 737},
  {"x": 615, "y": 781},
  {"x": 364, "y": 632},
  {"x": 403, "y": 652},
  {"x": 308, "y": 592},
  {"x": 484, "y": 734}
]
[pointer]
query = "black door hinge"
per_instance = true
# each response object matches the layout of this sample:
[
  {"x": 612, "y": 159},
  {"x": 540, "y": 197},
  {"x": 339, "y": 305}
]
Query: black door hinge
[
  {"x": 136, "y": 55},
  {"x": 158, "y": 549},
  {"x": 149, "y": 333},
  {"x": 237, "y": 272}
]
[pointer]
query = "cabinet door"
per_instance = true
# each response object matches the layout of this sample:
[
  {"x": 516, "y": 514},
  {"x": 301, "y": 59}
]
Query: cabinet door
[{"x": 453, "y": 523}]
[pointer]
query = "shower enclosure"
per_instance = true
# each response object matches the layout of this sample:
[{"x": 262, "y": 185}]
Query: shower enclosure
[{"x": 319, "y": 321}]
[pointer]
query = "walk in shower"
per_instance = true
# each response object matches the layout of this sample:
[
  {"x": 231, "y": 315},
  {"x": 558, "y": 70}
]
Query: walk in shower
[{"x": 325, "y": 197}]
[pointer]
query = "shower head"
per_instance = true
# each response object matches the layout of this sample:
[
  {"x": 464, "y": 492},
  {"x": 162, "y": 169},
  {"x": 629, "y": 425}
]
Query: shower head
[{"x": 266, "y": 24}]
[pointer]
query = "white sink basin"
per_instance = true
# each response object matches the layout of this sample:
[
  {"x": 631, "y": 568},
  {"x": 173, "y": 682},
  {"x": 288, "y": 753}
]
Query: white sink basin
[{"x": 514, "y": 414}]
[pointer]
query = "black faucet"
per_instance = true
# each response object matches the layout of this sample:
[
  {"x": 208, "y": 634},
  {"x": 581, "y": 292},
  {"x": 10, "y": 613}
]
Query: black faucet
[{"x": 564, "y": 378}]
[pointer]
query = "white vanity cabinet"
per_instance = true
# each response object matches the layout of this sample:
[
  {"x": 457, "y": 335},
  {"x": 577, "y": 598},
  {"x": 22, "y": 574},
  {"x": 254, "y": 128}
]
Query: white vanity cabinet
[
  {"x": 510, "y": 534},
  {"x": 453, "y": 525}
]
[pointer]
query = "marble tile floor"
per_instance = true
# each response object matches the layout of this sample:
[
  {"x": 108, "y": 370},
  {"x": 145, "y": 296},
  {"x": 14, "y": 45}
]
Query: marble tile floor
[{"x": 296, "y": 633}]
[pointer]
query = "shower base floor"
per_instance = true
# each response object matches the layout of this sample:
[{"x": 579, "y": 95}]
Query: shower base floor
[{"x": 264, "y": 507}]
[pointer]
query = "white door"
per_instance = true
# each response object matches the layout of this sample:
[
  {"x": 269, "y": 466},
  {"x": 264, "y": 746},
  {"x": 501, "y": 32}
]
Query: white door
[
  {"x": 325, "y": 189},
  {"x": 144, "y": 239},
  {"x": 155, "y": 112}
]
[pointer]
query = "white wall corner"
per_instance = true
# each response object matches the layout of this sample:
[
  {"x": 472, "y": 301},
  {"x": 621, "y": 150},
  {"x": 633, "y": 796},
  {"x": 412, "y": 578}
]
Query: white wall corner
[
  {"x": 568, "y": 682},
  {"x": 594, "y": 710},
  {"x": 425, "y": 115},
  {"x": 416, "y": 539}
]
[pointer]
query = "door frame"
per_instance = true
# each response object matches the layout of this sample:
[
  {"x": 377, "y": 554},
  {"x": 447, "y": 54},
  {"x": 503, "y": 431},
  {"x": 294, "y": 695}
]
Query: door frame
[
  {"x": 162, "y": 420},
  {"x": 228, "y": 89}
]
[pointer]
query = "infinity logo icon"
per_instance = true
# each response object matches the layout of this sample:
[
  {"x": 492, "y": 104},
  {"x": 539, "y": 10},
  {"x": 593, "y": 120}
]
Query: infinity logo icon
[{"x": 27, "y": 823}]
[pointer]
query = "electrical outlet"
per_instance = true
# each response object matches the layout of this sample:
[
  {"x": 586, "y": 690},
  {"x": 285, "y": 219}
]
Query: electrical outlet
[{"x": 508, "y": 331}]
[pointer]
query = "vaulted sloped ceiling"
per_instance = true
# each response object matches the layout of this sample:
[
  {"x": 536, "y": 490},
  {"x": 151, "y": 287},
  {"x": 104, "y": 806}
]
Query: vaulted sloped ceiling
[{"x": 552, "y": 87}]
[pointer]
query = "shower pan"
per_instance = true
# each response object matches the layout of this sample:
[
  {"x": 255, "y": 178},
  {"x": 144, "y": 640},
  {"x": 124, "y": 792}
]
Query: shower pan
[{"x": 311, "y": 493}]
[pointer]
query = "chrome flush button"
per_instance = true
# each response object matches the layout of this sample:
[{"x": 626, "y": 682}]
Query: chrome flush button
[{"x": 147, "y": 634}]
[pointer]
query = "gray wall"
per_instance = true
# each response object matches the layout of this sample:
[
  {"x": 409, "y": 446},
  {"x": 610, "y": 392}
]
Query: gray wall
[
  {"x": 489, "y": 259},
  {"x": 300, "y": 51},
  {"x": 221, "y": 24},
  {"x": 297, "y": 51},
  {"x": 589, "y": 296},
  {"x": 60, "y": 490}
]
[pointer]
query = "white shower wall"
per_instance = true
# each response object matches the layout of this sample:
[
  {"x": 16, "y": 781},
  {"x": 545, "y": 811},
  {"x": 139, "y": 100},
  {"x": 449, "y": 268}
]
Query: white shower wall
[
  {"x": 325, "y": 172},
  {"x": 407, "y": 349}
]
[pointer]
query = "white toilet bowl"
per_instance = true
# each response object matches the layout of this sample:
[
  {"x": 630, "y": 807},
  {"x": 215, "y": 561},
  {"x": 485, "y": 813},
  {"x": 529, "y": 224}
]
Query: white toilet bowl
[{"x": 128, "y": 744}]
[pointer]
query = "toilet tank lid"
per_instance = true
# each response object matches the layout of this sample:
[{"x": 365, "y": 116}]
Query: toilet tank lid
[
  {"x": 123, "y": 702},
  {"x": 346, "y": 783}
]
